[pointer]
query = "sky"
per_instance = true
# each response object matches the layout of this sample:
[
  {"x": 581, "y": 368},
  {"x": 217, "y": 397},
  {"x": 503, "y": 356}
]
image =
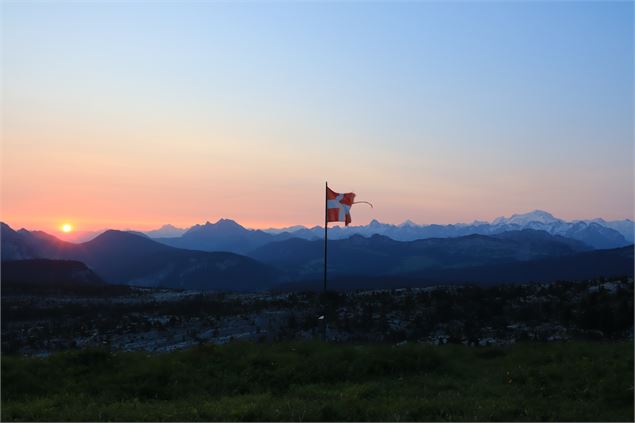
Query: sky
[{"x": 132, "y": 115}]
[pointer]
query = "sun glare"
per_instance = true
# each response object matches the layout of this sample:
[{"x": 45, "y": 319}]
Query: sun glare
[{"x": 66, "y": 228}]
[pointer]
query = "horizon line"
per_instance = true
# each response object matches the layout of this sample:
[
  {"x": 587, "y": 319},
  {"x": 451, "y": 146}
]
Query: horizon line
[{"x": 269, "y": 227}]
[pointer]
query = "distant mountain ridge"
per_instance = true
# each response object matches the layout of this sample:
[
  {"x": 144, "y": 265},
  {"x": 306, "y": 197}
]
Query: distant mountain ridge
[
  {"x": 227, "y": 235},
  {"x": 597, "y": 233},
  {"x": 224, "y": 235},
  {"x": 381, "y": 255},
  {"x": 166, "y": 231},
  {"x": 127, "y": 258}
]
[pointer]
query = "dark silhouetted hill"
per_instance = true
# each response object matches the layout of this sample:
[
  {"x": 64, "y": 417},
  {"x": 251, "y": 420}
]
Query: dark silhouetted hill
[
  {"x": 46, "y": 272},
  {"x": 43, "y": 276},
  {"x": 380, "y": 255},
  {"x": 581, "y": 266}
]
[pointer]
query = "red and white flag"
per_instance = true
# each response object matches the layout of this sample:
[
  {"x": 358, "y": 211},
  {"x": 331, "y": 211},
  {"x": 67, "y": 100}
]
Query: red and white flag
[{"x": 338, "y": 206}]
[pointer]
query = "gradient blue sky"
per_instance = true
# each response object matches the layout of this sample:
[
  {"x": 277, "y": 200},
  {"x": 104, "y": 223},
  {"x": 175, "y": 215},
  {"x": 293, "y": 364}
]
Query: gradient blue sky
[{"x": 133, "y": 115}]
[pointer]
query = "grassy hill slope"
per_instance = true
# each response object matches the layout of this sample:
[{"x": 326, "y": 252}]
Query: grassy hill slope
[{"x": 577, "y": 381}]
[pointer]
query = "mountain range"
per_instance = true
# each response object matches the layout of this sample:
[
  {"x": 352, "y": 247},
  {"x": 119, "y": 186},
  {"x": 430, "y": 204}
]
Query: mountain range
[
  {"x": 127, "y": 258},
  {"x": 597, "y": 233},
  {"x": 224, "y": 235},
  {"x": 241, "y": 259},
  {"x": 227, "y": 235},
  {"x": 380, "y": 255}
]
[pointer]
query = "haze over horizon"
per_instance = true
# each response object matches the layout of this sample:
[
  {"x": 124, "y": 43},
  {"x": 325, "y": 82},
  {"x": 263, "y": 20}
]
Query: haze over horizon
[
  {"x": 438, "y": 113},
  {"x": 82, "y": 234}
]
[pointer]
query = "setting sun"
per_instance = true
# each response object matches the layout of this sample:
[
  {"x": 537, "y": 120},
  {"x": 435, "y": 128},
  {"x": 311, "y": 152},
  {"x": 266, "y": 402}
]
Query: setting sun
[{"x": 66, "y": 228}]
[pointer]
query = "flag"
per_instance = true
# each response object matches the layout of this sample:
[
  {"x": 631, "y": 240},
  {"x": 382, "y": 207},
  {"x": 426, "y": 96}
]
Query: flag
[{"x": 338, "y": 206}]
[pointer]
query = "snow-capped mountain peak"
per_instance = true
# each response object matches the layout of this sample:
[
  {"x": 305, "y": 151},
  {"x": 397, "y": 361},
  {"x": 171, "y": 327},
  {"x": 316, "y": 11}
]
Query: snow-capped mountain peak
[
  {"x": 538, "y": 216},
  {"x": 407, "y": 224},
  {"x": 598, "y": 233}
]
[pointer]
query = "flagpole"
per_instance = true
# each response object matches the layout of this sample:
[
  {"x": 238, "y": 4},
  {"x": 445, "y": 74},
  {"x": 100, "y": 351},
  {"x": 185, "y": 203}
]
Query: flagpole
[{"x": 326, "y": 222}]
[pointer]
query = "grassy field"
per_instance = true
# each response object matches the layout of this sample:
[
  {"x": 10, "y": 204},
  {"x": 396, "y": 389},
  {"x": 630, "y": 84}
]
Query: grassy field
[{"x": 581, "y": 381}]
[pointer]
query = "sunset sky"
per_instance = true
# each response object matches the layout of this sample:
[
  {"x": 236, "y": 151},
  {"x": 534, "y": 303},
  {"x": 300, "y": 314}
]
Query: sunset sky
[{"x": 134, "y": 115}]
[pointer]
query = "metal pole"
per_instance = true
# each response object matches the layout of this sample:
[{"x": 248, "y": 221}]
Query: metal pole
[{"x": 326, "y": 222}]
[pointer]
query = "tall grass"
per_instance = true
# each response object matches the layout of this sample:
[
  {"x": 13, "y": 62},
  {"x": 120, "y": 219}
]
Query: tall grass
[{"x": 312, "y": 381}]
